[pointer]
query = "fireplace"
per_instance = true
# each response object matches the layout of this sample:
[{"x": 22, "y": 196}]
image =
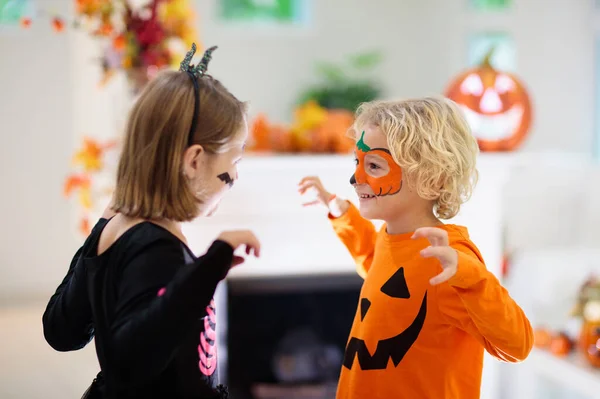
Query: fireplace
[{"x": 286, "y": 336}]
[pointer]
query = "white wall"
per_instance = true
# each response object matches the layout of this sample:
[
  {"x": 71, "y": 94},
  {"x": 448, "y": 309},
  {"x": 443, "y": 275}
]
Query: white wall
[
  {"x": 37, "y": 140},
  {"x": 49, "y": 95}
]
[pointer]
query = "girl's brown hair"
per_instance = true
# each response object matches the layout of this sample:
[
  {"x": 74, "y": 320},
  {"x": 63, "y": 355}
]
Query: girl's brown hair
[{"x": 150, "y": 179}]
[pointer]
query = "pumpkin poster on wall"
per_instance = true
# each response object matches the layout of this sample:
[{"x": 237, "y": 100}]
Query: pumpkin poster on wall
[{"x": 496, "y": 104}]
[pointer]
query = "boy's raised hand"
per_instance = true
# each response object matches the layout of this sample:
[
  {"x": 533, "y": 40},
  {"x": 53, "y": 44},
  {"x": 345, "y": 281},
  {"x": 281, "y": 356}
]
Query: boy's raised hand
[
  {"x": 439, "y": 249},
  {"x": 336, "y": 206},
  {"x": 313, "y": 182}
]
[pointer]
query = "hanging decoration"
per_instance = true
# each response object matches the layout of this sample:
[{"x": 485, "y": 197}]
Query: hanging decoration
[
  {"x": 139, "y": 37},
  {"x": 496, "y": 105}
]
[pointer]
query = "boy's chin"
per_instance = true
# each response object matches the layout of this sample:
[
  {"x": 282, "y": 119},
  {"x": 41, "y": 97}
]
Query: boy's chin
[{"x": 368, "y": 209}]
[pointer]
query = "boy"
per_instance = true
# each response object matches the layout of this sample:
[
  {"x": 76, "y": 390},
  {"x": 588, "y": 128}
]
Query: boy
[{"x": 418, "y": 333}]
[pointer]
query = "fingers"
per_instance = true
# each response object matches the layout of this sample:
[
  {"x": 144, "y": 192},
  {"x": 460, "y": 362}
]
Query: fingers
[
  {"x": 436, "y": 236},
  {"x": 442, "y": 277},
  {"x": 446, "y": 255},
  {"x": 310, "y": 182},
  {"x": 311, "y": 203},
  {"x": 253, "y": 245}
]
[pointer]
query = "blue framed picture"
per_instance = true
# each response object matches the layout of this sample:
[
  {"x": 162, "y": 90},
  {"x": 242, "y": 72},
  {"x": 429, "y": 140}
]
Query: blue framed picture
[
  {"x": 12, "y": 12},
  {"x": 264, "y": 12},
  {"x": 490, "y": 5}
]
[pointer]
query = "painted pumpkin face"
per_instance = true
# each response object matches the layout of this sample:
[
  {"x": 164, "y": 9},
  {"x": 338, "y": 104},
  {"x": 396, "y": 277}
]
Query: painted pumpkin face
[
  {"x": 496, "y": 105},
  {"x": 390, "y": 183},
  {"x": 394, "y": 347}
]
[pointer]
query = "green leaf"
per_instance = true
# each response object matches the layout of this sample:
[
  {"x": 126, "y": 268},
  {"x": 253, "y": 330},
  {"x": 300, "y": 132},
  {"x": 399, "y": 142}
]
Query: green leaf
[
  {"x": 330, "y": 72},
  {"x": 366, "y": 60}
]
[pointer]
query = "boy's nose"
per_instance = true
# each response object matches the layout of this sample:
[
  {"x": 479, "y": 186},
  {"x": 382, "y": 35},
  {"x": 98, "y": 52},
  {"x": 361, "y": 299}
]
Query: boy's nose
[{"x": 352, "y": 180}]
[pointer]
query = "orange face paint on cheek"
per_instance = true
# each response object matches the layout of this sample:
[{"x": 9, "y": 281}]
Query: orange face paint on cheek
[{"x": 389, "y": 184}]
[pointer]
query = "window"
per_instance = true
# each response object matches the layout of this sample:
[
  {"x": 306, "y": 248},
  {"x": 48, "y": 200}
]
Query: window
[
  {"x": 491, "y": 5},
  {"x": 504, "y": 56},
  {"x": 12, "y": 11},
  {"x": 288, "y": 12}
]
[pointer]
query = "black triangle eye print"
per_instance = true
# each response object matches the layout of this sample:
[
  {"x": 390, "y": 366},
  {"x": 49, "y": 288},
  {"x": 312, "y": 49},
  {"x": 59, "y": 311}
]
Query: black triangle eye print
[
  {"x": 395, "y": 347},
  {"x": 365, "y": 304},
  {"x": 396, "y": 286}
]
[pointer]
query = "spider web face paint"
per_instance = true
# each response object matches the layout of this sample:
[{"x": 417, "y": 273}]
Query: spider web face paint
[{"x": 226, "y": 178}]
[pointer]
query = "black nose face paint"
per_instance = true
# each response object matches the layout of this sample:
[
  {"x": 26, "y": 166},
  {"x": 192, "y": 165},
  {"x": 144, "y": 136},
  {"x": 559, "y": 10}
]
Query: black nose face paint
[
  {"x": 226, "y": 178},
  {"x": 352, "y": 180}
]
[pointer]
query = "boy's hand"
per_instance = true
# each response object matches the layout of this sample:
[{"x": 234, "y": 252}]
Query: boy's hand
[
  {"x": 336, "y": 206},
  {"x": 439, "y": 249}
]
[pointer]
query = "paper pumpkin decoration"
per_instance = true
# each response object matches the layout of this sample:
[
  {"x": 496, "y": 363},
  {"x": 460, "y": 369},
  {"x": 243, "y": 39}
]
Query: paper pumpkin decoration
[
  {"x": 496, "y": 104},
  {"x": 561, "y": 345},
  {"x": 393, "y": 344}
]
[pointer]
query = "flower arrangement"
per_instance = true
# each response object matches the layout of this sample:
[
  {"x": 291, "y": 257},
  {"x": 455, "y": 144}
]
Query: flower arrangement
[
  {"x": 86, "y": 181},
  {"x": 140, "y": 37},
  {"x": 325, "y": 111}
]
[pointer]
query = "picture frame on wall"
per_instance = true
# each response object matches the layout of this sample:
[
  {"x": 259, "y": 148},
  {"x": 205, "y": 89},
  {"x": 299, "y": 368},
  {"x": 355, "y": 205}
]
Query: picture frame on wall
[
  {"x": 261, "y": 13},
  {"x": 490, "y": 5},
  {"x": 13, "y": 13}
]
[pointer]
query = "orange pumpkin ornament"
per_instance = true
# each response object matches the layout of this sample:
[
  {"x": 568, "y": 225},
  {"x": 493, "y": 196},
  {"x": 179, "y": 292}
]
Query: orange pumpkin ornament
[
  {"x": 542, "y": 338},
  {"x": 561, "y": 345},
  {"x": 496, "y": 105},
  {"x": 335, "y": 129}
]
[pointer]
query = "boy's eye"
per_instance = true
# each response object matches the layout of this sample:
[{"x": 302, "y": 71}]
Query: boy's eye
[
  {"x": 373, "y": 166},
  {"x": 355, "y": 161}
]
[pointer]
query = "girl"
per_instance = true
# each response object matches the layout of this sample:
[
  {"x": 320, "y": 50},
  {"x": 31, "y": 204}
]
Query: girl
[{"x": 135, "y": 285}]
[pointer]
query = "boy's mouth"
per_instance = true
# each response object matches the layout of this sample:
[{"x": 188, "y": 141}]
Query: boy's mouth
[{"x": 365, "y": 196}]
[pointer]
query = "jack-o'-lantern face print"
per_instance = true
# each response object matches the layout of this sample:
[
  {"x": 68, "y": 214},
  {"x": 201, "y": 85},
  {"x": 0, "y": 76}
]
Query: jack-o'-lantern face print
[
  {"x": 377, "y": 168},
  {"x": 393, "y": 344},
  {"x": 496, "y": 106}
]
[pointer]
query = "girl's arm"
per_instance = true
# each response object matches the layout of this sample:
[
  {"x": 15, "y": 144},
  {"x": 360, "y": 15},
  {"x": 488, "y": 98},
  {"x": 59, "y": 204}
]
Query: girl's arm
[
  {"x": 160, "y": 300},
  {"x": 67, "y": 320}
]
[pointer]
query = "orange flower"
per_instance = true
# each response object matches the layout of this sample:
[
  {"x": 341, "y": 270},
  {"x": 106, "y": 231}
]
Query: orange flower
[
  {"x": 119, "y": 42},
  {"x": 85, "y": 197},
  {"x": 90, "y": 156},
  {"x": 58, "y": 24},
  {"x": 25, "y": 22},
  {"x": 74, "y": 182},
  {"x": 84, "y": 226},
  {"x": 106, "y": 29}
]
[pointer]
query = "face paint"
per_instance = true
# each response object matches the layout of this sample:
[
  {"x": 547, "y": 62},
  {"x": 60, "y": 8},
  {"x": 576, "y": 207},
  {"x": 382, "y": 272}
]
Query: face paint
[
  {"x": 389, "y": 184},
  {"x": 226, "y": 178}
]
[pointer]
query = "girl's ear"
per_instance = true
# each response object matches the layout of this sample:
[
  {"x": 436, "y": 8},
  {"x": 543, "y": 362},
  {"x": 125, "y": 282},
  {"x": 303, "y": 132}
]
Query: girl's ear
[{"x": 193, "y": 159}]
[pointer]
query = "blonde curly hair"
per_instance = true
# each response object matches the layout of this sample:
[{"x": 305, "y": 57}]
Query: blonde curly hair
[{"x": 431, "y": 141}]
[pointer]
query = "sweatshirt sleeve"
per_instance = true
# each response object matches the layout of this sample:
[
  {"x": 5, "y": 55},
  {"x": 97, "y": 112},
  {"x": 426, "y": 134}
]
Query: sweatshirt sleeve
[
  {"x": 475, "y": 301},
  {"x": 358, "y": 235},
  {"x": 160, "y": 299},
  {"x": 67, "y": 320}
]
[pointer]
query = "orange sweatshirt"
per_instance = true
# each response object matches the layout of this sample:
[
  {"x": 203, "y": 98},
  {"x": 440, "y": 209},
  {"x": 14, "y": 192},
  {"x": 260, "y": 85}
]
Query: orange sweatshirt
[{"x": 413, "y": 340}]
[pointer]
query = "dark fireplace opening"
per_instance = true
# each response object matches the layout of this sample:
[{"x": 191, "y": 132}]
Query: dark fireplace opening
[{"x": 286, "y": 336}]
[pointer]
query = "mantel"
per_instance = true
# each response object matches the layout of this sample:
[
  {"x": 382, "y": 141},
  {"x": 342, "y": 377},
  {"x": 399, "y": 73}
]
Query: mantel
[{"x": 299, "y": 241}]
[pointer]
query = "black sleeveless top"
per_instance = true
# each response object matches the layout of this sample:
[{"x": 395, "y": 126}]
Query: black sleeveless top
[{"x": 148, "y": 301}]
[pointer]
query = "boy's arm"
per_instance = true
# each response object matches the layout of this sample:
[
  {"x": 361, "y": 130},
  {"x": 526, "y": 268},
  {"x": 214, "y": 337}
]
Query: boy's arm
[
  {"x": 475, "y": 301},
  {"x": 357, "y": 233}
]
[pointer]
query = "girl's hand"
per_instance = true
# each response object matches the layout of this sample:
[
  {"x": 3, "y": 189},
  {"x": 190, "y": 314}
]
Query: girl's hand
[
  {"x": 239, "y": 238},
  {"x": 336, "y": 206}
]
